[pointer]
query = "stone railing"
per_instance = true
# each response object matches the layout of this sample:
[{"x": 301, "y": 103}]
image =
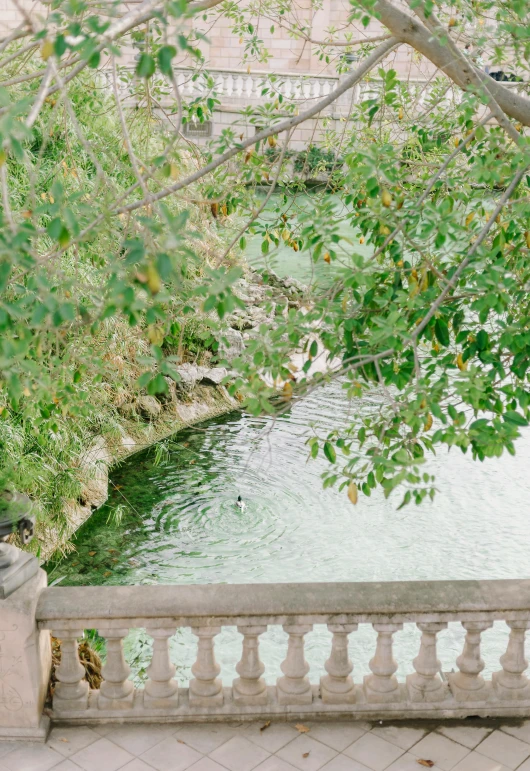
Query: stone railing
[
  {"x": 239, "y": 88},
  {"x": 386, "y": 607}
]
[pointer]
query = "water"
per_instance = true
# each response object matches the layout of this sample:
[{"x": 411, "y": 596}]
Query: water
[{"x": 181, "y": 526}]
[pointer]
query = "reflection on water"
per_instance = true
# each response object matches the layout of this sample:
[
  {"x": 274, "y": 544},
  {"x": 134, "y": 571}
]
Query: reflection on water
[{"x": 183, "y": 527}]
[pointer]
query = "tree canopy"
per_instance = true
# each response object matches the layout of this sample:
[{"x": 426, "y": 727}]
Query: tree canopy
[{"x": 104, "y": 201}]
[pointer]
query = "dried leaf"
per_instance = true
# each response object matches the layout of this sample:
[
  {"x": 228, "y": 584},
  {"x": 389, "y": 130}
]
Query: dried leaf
[
  {"x": 91, "y": 553},
  {"x": 265, "y": 725},
  {"x": 305, "y": 755},
  {"x": 303, "y": 729},
  {"x": 426, "y": 763},
  {"x": 62, "y": 739},
  {"x": 353, "y": 494},
  {"x": 180, "y": 741}
]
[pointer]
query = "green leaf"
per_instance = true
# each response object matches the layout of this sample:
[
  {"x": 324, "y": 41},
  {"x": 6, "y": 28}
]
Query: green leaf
[
  {"x": 165, "y": 56},
  {"x": 329, "y": 452},
  {"x": 515, "y": 418},
  {"x": 441, "y": 330},
  {"x": 146, "y": 66}
]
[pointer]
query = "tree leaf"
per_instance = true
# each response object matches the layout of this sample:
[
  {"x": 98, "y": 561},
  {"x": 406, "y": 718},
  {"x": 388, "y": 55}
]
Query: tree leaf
[
  {"x": 441, "y": 330},
  {"x": 329, "y": 452},
  {"x": 146, "y": 66},
  {"x": 353, "y": 493}
]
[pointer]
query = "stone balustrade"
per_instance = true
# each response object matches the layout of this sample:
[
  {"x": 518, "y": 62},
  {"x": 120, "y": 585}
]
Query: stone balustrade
[
  {"x": 297, "y": 608},
  {"x": 240, "y": 88}
]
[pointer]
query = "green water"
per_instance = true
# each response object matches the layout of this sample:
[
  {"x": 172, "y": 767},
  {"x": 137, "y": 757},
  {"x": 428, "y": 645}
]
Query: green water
[{"x": 179, "y": 524}]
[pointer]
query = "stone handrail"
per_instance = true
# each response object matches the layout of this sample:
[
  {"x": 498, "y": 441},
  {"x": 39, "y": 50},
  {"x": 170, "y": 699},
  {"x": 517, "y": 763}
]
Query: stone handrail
[{"x": 252, "y": 608}]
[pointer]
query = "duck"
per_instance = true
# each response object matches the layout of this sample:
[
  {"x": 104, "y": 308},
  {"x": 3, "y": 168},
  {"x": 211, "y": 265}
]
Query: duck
[{"x": 240, "y": 503}]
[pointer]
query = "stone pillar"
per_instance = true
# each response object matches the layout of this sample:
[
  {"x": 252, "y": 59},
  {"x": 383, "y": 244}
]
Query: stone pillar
[
  {"x": 161, "y": 690},
  {"x": 116, "y": 691},
  {"x": 426, "y": 684},
  {"x": 337, "y": 686},
  {"x": 71, "y": 691},
  {"x": 511, "y": 682},
  {"x": 25, "y": 663},
  {"x": 294, "y": 687},
  {"x": 468, "y": 684},
  {"x": 382, "y": 684},
  {"x": 249, "y": 687},
  {"x": 206, "y": 689}
]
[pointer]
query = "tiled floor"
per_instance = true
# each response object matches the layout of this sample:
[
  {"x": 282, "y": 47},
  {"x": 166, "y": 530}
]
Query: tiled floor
[{"x": 471, "y": 745}]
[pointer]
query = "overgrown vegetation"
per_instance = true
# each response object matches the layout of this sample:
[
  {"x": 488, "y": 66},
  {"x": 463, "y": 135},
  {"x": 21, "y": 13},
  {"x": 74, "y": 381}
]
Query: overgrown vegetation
[{"x": 103, "y": 258}]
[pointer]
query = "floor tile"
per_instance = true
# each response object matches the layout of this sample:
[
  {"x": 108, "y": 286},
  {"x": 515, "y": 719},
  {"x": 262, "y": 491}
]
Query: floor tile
[
  {"x": 504, "y": 748},
  {"x": 206, "y": 764},
  {"x": 476, "y": 762},
  {"x": 318, "y": 755},
  {"x": 400, "y": 735},
  {"x": 521, "y": 731},
  {"x": 343, "y": 763},
  {"x": 239, "y": 754},
  {"x": 101, "y": 756},
  {"x": 71, "y": 739},
  {"x": 135, "y": 765},
  {"x": 137, "y": 739},
  {"x": 66, "y": 765},
  {"x": 469, "y": 736},
  {"x": 409, "y": 762},
  {"x": 275, "y": 764},
  {"x": 103, "y": 729},
  {"x": 524, "y": 767},
  {"x": 338, "y": 736},
  {"x": 204, "y": 738},
  {"x": 443, "y": 751},
  {"x": 374, "y": 752},
  {"x": 31, "y": 757},
  {"x": 171, "y": 755},
  {"x": 273, "y": 738},
  {"x": 6, "y": 747}
]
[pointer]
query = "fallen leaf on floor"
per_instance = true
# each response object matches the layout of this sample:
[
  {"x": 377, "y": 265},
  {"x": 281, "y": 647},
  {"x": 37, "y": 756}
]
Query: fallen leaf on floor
[
  {"x": 265, "y": 725},
  {"x": 302, "y": 728},
  {"x": 305, "y": 755},
  {"x": 62, "y": 739},
  {"x": 427, "y": 763},
  {"x": 91, "y": 553},
  {"x": 180, "y": 741}
]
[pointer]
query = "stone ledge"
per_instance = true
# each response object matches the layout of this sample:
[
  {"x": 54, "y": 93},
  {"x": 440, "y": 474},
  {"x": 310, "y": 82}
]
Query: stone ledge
[
  {"x": 232, "y": 711},
  {"x": 306, "y": 603}
]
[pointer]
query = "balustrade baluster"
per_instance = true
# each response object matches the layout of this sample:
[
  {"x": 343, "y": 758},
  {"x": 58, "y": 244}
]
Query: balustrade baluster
[
  {"x": 326, "y": 88},
  {"x": 248, "y": 86},
  {"x": 206, "y": 688},
  {"x": 426, "y": 684},
  {"x": 239, "y": 86},
  {"x": 315, "y": 89},
  {"x": 161, "y": 690},
  {"x": 250, "y": 687},
  {"x": 337, "y": 686},
  {"x": 71, "y": 691},
  {"x": 297, "y": 89},
  {"x": 219, "y": 85},
  {"x": 468, "y": 684},
  {"x": 287, "y": 88},
  {"x": 382, "y": 685},
  {"x": 306, "y": 89},
  {"x": 511, "y": 682},
  {"x": 229, "y": 84},
  {"x": 294, "y": 687},
  {"x": 116, "y": 691}
]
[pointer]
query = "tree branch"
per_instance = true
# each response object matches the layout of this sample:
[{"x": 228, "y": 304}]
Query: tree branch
[
  {"x": 408, "y": 30},
  {"x": 368, "y": 64}
]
